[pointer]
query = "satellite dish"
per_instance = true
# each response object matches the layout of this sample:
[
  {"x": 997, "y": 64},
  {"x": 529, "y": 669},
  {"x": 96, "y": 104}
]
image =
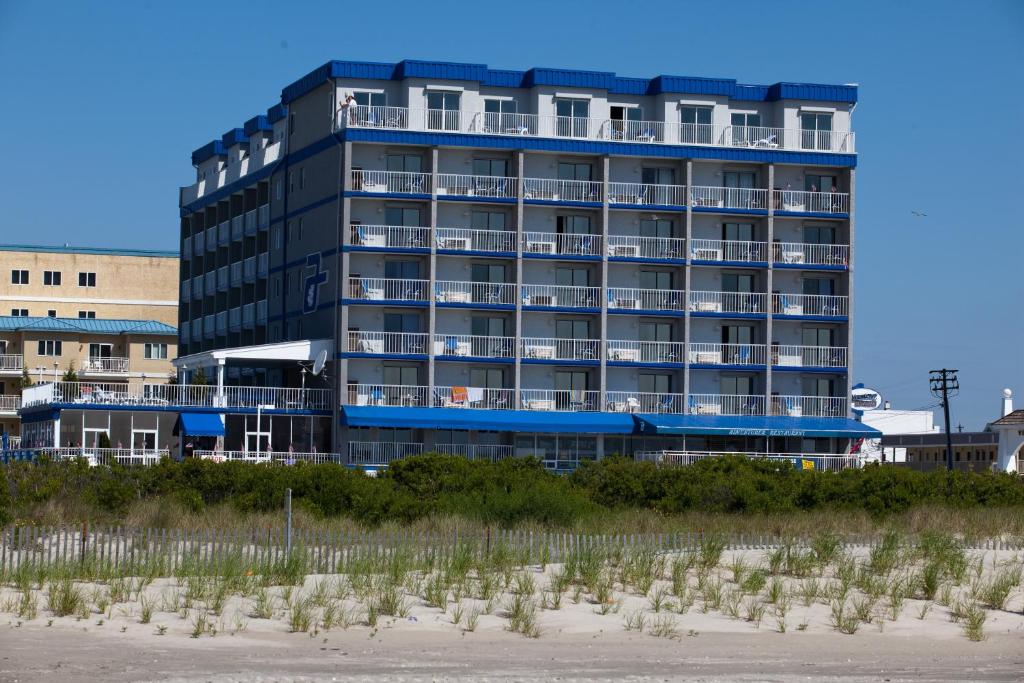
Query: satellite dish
[{"x": 321, "y": 360}]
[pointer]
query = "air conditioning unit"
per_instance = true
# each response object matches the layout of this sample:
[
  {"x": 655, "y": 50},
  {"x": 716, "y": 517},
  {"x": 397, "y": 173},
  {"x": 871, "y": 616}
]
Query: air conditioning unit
[
  {"x": 540, "y": 247},
  {"x": 624, "y": 250}
]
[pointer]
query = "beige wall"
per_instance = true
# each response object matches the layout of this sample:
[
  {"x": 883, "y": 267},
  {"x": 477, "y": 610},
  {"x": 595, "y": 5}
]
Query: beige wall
[
  {"x": 129, "y": 287},
  {"x": 75, "y": 348}
]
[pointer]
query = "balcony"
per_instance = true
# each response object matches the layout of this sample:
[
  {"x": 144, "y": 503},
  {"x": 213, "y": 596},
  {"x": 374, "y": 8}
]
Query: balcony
[
  {"x": 561, "y": 244},
  {"x": 389, "y": 237},
  {"x": 209, "y": 327},
  {"x": 236, "y": 274},
  {"x": 544, "y": 348},
  {"x": 818, "y": 305},
  {"x": 185, "y": 331},
  {"x": 816, "y": 406},
  {"x": 188, "y": 395},
  {"x": 640, "y": 402},
  {"x": 186, "y": 289},
  {"x": 222, "y": 323},
  {"x": 718, "y": 303},
  {"x": 762, "y": 137},
  {"x": 235, "y": 319},
  {"x": 249, "y": 269},
  {"x": 248, "y": 228},
  {"x": 197, "y": 329},
  {"x": 809, "y": 356},
  {"x": 576, "y": 400},
  {"x": 728, "y": 250},
  {"x": 625, "y": 299},
  {"x": 186, "y": 248},
  {"x": 387, "y": 395},
  {"x": 383, "y": 289},
  {"x": 224, "y": 234},
  {"x": 390, "y": 182},
  {"x": 628, "y": 247},
  {"x": 97, "y": 365},
  {"x": 725, "y": 404},
  {"x": 263, "y": 217},
  {"x": 254, "y": 162},
  {"x": 734, "y": 198},
  {"x": 811, "y": 202},
  {"x": 798, "y": 253},
  {"x": 460, "y": 293},
  {"x": 646, "y": 194},
  {"x": 261, "y": 312},
  {"x": 628, "y": 351},
  {"x": 248, "y": 316},
  {"x": 381, "y": 452},
  {"x": 451, "y": 346},
  {"x": 262, "y": 265},
  {"x": 197, "y": 287},
  {"x": 556, "y": 296},
  {"x": 476, "y": 451},
  {"x": 9, "y": 405},
  {"x": 549, "y": 189},
  {"x": 199, "y": 243},
  {"x": 830, "y": 462},
  {"x": 702, "y": 353},
  {"x": 479, "y": 398},
  {"x": 211, "y": 238},
  {"x": 468, "y": 239},
  {"x": 250, "y": 224},
  {"x": 489, "y": 187},
  {"x": 222, "y": 279},
  {"x": 381, "y": 343},
  {"x": 210, "y": 283}
]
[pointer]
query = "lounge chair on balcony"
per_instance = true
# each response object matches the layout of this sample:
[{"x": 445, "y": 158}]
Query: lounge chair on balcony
[
  {"x": 578, "y": 400},
  {"x": 770, "y": 141},
  {"x": 377, "y": 396},
  {"x": 666, "y": 404},
  {"x": 451, "y": 346},
  {"x": 742, "y": 356}
]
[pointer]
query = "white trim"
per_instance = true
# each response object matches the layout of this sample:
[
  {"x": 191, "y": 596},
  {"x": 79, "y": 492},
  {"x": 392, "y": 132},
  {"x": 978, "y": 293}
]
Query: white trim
[
  {"x": 76, "y": 300},
  {"x": 503, "y": 98},
  {"x": 744, "y": 111},
  {"x": 820, "y": 110},
  {"x": 372, "y": 91},
  {"x": 301, "y": 350},
  {"x": 573, "y": 96},
  {"x": 699, "y": 103},
  {"x": 443, "y": 88}
]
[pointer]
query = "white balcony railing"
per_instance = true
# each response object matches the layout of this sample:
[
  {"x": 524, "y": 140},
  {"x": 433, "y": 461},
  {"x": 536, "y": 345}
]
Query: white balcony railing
[
  {"x": 632, "y": 131},
  {"x": 395, "y": 182},
  {"x": 576, "y": 400},
  {"x": 816, "y": 461},
  {"x": 469, "y": 239},
  {"x": 388, "y": 395},
  {"x": 361, "y": 116},
  {"x": 11, "y": 362},
  {"x": 812, "y": 254},
  {"x": 811, "y": 202},
  {"x": 9, "y": 403},
  {"x": 106, "y": 366},
  {"x": 475, "y": 185},
  {"x": 389, "y": 236},
  {"x": 631, "y": 246},
  {"x": 548, "y": 348},
  {"x": 473, "y": 397},
  {"x": 470, "y": 345},
  {"x": 729, "y": 198},
  {"x": 562, "y": 190},
  {"x": 810, "y": 304},
  {"x": 107, "y": 456},
  {"x": 646, "y": 193},
  {"x": 640, "y": 402},
  {"x": 460, "y": 292},
  {"x": 763, "y": 137},
  {"x": 727, "y": 302},
  {"x": 377, "y": 343},
  {"x": 383, "y": 289},
  {"x": 631, "y": 298},
  {"x": 725, "y": 404},
  {"x": 809, "y": 356},
  {"x": 727, "y": 250},
  {"x": 189, "y": 395},
  {"x": 476, "y": 451},
  {"x": 817, "y": 406},
  {"x": 628, "y": 351},
  {"x": 557, "y": 296},
  {"x": 381, "y": 452},
  {"x": 280, "y": 457},
  {"x": 561, "y": 243},
  {"x": 702, "y": 353}
]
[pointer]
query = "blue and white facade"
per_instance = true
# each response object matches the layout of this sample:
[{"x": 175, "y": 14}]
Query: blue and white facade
[{"x": 567, "y": 264}]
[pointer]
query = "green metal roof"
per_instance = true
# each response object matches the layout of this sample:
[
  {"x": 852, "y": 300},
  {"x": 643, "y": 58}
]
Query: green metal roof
[
  {"x": 88, "y": 325},
  {"x": 99, "y": 251}
]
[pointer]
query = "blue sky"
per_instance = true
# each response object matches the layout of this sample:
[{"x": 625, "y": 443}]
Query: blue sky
[{"x": 105, "y": 101}]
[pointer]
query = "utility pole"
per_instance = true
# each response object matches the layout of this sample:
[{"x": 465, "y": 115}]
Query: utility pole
[{"x": 945, "y": 384}]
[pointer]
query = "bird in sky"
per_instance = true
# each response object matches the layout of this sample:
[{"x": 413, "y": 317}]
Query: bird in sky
[{"x": 919, "y": 214}]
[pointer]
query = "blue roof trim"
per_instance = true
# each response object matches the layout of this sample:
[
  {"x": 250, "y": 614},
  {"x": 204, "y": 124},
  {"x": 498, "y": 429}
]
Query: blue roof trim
[
  {"x": 207, "y": 151},
  {"x": 99, "y": 251},
  {"x": 412, "y": 68},
  {"x": 87, "y": 325},
  {"x": 256, "y": 124},
  {"x": 276, "y": 113},
  {"x": 491, "y": 420},
  {"x": 750, "y": 425},
  {"x": 199, "y": 424},
  {"x": 235, "y": 136}
]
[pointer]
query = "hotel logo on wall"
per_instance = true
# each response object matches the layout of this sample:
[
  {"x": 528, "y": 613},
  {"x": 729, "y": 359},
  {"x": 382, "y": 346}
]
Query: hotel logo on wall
[
  {"x": 863, "y": 400},
  {"x": 311, "y": 292}
]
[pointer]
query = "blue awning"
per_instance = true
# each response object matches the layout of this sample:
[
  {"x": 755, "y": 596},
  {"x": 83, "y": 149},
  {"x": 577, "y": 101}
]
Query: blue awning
[
  {"x": 488, "y": 420},
  {"x": 754, "y": 425},
  {"x": 200, "y": 424}
]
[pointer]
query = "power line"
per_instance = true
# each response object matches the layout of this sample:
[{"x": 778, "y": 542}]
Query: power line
[{"x": 944, "y": 384}]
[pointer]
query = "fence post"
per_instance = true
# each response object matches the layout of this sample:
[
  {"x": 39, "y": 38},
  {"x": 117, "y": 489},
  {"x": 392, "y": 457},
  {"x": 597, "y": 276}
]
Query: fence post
[{"x": 288, "y": 521}]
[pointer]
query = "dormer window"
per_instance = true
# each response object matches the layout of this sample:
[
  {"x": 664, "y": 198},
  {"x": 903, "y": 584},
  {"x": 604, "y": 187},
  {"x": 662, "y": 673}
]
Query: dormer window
[
  {"x": 695, "y": 124},
  {"x": 443, "y": 110}
]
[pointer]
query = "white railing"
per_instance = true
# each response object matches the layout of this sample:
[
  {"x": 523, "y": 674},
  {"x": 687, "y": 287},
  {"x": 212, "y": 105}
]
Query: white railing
[
  {"x": 191, "y": 395},
  {"x": 476, "y": 451},
  {"x": 646, "y": 193},
  {"x": 698, "y": 134},
  {"x": 818, "y": 406},
  {"x": 278, "y": 457},
  {"x": 361, "y": 116},
  {"x": 475, "y": 185},
  {"x": 365, "y": 341},
  {"x": 561, "y": 190},
  {"x": 640, "y": 402},
  {"x": 473, "y": 397},
  {"x": 471, "y": 345},
  {"x": 729, "y": 197},
  {"x": 548, "y": 348},
  {"x": 702, "y": 353},
  {"x": 801, "y": 461},
  {"x": 381, "y": 452},
  {"x": 628, "y": 351},
  {"x": 763, "y": 137},
  {"x": 725, "y": 404},
  {"x": 9, "y": 403},
  {"x": 107, "y": 456},
  {"x": 494, "y": 123},
  {"x": 13, "y": 442},
  {"x": 11, "y": 362},
  {"x": 727, "y": 250},
  {"x": 398, "y": 182},
  {"x": 576, "y": 400},
  {"x": 727, "y": 302},
  {"x": 631, "y": 246},
  {"x": 388, "y": 395},
  {"x": 462, "y": 292},
  {"x": 810, "y": 304},
  {"x": 811, "y": 202},
  {"x": 389, "y": 236},
  {"x": 561, "y": 243},
  {"x": 444, "y": 119},
  {"x": 631, "y": 298},
  {"x": 815, "y": 254},
  {"x": 470, "y": 239},
  {"x": 633, "y": 131},
  {"x": 550, "y": 296},
  {"x": 105, "y": 365},
  {"x": 384, "y": 289},
  {"x": 809, "y": 356},
  {"x": 236, "y": 274}
]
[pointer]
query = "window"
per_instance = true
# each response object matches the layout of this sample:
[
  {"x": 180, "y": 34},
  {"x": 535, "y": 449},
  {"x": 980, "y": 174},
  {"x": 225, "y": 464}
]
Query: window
[
  {"x": 740, "y": 232},
  {"x": 737, "y": 334},
  {"x": 87, "y": 279},
  {"x": 19, "y": 277},
  {"x": 291, "y": 124},
  {"x": 491, "y": 167},
  {"x": 287, "y": 282},
  {"x": 816, "y": 130},
  {"x": 695, "y": 125},
  {"x": 49, "y": 347},
  {"x": 572, "y": 118},
  {"x": 87, "y": 314},
  {"x": 487, "y": 378},
  {"x": 819, "y": 234},
  {"x": 746, "y": 129},
  {"x": 570, "y": 229},
  {"x": 821, "y": 183},
  {"x": 291, "y": 181},
  {"x": 655, "y": 279},
  {"x": 443, "y": 110},
  {"x": 487, "y": 220},
  {"x": 572, "y": 277},
  {"x": 740, "y": 179},
  {"x": 279, "y": 189},
  {"x": 658, "y": 176},
  {"x": 740, "y": 385},
  {"x": 500, "y": 116},
  {"x": 155, "y": 351},
  {"x": 300, "y": 229},
  {"x": 626, "y": 124},
  {"x": 278, "y": 231},
  {"x": 657, "y": 227},
  {"x": 51, "y": 278},
  {"x": 401, "y": 375},
  {"x": 819, "y": 286},
  {"x": 102, "y": 351},
  {"x": 737, "y": 282},
  {"x": 302, "y": 178},
  {"x": 19, "y": 312},
  {"x": 574, "y": 171},
  {"x": 649, "y": 383},
  {"x": 817, "y": 336},
  {"x": 572, "y": 329},
  {"x": 51, "y": 313},
  {"x": 402, "y": 270},
  {"x": 488, "y": 272},
  {"x": 397, "y": 215},
  {"x": 819, "y": 386},
  {"x": 370, "y": 99}
]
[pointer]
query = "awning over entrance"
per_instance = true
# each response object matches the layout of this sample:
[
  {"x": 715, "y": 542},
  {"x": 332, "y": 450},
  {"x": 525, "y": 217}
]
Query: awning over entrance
[
  {"x": 753, "y": 425},
  {"x": 488, "y": 420},
  {"x": 200, "y": 424}
]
